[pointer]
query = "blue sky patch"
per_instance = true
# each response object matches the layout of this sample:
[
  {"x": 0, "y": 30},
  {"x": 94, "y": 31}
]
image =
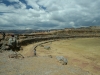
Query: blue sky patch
[
  {"x": 9, "y": 3},
  {"x": 42, "y": 7}
]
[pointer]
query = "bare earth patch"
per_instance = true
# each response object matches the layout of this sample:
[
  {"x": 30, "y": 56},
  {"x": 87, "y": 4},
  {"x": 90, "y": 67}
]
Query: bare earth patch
[{"x": 83, "y": 56}]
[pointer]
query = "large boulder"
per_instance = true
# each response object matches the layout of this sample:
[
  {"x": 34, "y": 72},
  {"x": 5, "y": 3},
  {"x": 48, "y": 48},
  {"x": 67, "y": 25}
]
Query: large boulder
[{"x": 62, "y": 60}]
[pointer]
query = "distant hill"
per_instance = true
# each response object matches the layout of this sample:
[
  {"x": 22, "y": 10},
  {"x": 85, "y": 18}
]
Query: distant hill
[{"x": 19, "y": 31}]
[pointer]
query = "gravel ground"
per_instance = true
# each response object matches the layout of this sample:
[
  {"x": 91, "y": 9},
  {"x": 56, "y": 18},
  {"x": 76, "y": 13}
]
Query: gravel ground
[{"x": 43, "y": 65}]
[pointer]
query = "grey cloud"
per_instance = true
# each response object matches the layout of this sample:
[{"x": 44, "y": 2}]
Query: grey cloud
[
  {"x": 45, "y": 24},
  {"x": 46, "y": 14}
]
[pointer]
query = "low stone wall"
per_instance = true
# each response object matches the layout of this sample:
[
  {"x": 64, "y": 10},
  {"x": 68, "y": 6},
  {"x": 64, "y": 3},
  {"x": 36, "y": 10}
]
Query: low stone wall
[
  {"x": 34, "y": 40},
  {"x": 38, "y": 39}
]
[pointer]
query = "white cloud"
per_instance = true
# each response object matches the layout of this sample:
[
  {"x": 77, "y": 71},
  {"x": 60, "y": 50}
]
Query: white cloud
[
  {"x": 72, "y": 24},
  {"x": 28, "y": 28},
  {"x": 4, "y": 8},
  {"x": 33, "y": 4},
  {"x": 50, "y": 14}
]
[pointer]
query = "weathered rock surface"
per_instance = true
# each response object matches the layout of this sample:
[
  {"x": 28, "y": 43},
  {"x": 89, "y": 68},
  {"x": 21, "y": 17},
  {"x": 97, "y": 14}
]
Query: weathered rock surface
[{"x": 62, "y": 60}]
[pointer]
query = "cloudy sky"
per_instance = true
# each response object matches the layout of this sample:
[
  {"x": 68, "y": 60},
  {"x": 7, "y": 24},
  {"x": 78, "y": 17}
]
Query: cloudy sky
[{"x": 48, "y": 14}]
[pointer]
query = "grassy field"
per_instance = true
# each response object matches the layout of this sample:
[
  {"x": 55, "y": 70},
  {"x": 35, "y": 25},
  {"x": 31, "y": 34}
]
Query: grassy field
[{"x": 80, "y": 52}]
